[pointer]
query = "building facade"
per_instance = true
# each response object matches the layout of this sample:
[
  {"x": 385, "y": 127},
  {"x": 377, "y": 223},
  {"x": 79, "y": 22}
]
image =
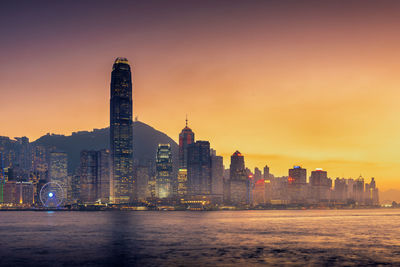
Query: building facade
[
  {"x": 164, "y": 170},
  {"x": 121, "y": 133}
]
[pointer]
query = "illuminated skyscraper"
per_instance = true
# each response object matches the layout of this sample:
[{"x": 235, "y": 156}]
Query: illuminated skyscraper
[
  {"x": 164, "y": 179},
  {"x": 186, "y": 137},
  {"x": 121, "y": 133},
  {"x": 58, "y": 169}
]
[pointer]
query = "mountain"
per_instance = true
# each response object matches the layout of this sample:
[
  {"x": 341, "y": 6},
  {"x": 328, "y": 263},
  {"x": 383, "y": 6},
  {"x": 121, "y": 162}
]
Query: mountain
[
  {"x": 387, "y": 197},
  {"x": 145, "y": 142}
]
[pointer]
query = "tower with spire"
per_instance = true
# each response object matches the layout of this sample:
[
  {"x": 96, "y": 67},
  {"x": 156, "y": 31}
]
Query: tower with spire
[{"x": 186, "y": 137}]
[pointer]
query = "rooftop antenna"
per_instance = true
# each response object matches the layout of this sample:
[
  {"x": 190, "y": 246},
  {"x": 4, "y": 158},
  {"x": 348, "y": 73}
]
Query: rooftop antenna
[{"x": 186, "y": 120}]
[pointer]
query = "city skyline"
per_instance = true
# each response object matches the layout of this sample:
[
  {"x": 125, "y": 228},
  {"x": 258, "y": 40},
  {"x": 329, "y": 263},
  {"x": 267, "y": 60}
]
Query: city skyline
[{"x": 298, "y": 94}]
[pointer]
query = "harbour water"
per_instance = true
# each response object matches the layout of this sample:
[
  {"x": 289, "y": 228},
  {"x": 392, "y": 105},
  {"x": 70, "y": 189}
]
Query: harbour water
[{"x": 220, "y": 238}]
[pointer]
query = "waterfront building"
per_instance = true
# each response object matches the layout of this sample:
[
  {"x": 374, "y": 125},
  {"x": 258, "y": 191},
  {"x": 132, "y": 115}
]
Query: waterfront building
[
  {"x": 143, "y": 175},
  {"x": 95, "y": 176},
  {"x": 186, "y": 138},
  {"x": 358, "y": 190},
  {"x": 320, "y": 186},
  {"x": 238, "y": 181},
  {"x": 217, "y": 177},
  {"x": 297, "y": 185},
  {"x": 199, "y": 168},
  {"x": 121, "y": 133},
  {"x": 182, "y": 183},
  {"x": 58, "y": 169},
  {"x": 164, "y": 177},
  {"x": 340, "y": 191},
  {"x": 371, "y": 193},
  {"x": 18, "y": 193}
]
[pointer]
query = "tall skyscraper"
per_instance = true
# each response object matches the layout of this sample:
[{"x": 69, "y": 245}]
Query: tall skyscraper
[
  {"x": 297, "y": 184},
  {"x": 238, "y": 180},
  {"x": 94, "y": 176},
  {"x": 199, "y": 168},
  {"x": 164, "y": 178},
  {"x": 121, "y": 133},
  {"x": 186, "y": 137},
  {"x": 58, "y": 170},
  {"x": 217, "y": 175}
]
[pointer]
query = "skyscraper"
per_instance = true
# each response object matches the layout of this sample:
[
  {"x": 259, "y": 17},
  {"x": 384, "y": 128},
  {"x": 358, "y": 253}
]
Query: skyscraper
[
  {"x": 186, "y": 137},
  {"x": 58, "y": 170},
  {"x": 297, "y": 184},
  {"x": 164, "y": 179},
  {"x": 121, "y": 133},
  {"x": 238, "y": 180},
  {"x": 199, "y": 168},
  {"x": 94, "y": 176}
]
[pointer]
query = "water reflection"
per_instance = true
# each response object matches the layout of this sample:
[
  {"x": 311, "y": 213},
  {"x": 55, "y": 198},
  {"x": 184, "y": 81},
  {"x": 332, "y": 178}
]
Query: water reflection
[{"x": 345, "y": 237}]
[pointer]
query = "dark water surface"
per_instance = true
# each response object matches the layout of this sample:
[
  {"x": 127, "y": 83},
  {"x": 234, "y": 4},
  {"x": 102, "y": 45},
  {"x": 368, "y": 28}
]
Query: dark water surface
[{"x": 225, "y": 238}]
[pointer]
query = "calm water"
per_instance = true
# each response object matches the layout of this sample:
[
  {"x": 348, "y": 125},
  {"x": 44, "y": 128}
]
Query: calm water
[{"x": 314, "y": 238}]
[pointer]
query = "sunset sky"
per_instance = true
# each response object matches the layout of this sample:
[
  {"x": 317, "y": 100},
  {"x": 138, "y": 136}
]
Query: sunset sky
[{"x": 311, "y": 83}]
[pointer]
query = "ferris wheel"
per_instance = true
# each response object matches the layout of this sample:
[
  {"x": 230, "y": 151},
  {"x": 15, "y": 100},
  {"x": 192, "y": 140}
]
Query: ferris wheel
[{"x": 51, "y": 195}]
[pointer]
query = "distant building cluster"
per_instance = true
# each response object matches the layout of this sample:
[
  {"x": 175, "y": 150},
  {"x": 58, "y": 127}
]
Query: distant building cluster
[{"x": 114, "y": 177}]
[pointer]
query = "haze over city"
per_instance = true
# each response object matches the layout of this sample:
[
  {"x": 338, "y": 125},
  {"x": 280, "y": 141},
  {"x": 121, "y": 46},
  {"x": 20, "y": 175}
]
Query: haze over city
[{"x": 287, "y": 84}]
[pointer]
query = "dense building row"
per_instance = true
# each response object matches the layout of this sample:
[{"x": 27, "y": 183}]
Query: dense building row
[{"x": 112, "y": 176}]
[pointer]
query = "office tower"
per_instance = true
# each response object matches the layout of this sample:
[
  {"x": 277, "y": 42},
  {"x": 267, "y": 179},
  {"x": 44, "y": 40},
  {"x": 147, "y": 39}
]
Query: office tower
[
  {"x": 199, "y": 168},
  {"x": 88, "y": 176},
  {"x": 18, "y": 193},
  {"x": 298, "y": 175},
  {"x": 121, "y": 133},
  {"x": 58, "y": 170},
  {"x": 164, "y": 176},
  {"x": 320, "y": 186},
  {"x": 40, "y": 162},
  {"x": 238, "y": 180},
  {"x": 217, "y": 176},
  {"x": 182, "y": 183},
  {"x": 371, "y": 193},
  {"x": 95, "y": 176},
  {"x": 340, "y": 190},
  {"x": 142, "y": 176},
  {"x": 266, "y": 172},
  {"x": 358, "y": 190},
  {"x": 186, "y": 138},
  {"x": 297, "y": 185}
]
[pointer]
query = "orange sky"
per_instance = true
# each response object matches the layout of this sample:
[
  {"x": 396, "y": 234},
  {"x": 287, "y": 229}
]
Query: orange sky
[{"x": 315, "y": 85}]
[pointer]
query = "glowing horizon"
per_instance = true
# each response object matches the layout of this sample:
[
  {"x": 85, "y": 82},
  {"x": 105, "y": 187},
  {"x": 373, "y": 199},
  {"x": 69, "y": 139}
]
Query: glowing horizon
[{"x": 314, "y": 85}]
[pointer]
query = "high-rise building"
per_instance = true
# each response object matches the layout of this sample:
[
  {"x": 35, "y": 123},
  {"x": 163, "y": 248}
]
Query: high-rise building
[
  {"x": 182, "y": 183},
  {"x": 95, "y": 176},
  {"x": 320, "y": 185},
  {"x": 297, "y": 175},
  {"x": 358, "y": 190},
  {"x": 186, "y": 137},
  {"x": 266, "y": 172},
  {"x": 217, "y": 176},
  {"x": 371, "y": 193},
  {"x": 297, "y": 185},
  {"x": 238, "y": 181},
  {"x": 142, "y": 174},
  {"x": 164, "y": 176},
  {"x": 121, "y": 133},
  {"x": 58, "y": 169},
  {"x": 199, "y": 168},
  {"x": 340, "y": 191}
]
